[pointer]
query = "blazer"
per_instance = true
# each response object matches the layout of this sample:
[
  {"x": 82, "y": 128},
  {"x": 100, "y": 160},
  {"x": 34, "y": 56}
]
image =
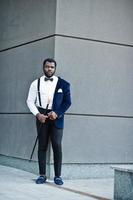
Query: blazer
[{"x": 61, "y": 101}]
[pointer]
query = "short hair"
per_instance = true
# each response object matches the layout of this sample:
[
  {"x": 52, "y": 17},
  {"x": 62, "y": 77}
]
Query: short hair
[{"x": 49, "y": 60}]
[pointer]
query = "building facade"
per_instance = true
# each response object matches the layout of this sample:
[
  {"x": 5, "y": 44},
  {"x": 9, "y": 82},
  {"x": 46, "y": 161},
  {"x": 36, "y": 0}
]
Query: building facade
[{"x": 92, "y": 42}]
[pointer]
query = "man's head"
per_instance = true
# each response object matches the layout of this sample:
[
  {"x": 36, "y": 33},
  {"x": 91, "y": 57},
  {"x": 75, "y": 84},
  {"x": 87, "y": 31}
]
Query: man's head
[{"x": 49, "y": 67}]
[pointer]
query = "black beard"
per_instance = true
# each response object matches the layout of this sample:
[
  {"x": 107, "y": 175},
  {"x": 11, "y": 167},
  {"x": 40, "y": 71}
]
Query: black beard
[{"x": 47, "y": 75}]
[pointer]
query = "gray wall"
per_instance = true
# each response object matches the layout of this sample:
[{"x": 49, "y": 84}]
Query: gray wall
[
  {"x": 26, "y": 38},
  {"x": 106, "y": 20},
  {"x": 92, "y": 42},
  {"x": 25, "y": 21},
  {"x": 94, "y": 48}
]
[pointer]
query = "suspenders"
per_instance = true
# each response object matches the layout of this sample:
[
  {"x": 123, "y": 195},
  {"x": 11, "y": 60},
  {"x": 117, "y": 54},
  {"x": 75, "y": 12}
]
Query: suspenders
[{"x": 38, "y": 90}]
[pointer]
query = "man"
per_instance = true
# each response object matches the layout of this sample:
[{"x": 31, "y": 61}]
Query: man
[{"x": 48, "y": 99}]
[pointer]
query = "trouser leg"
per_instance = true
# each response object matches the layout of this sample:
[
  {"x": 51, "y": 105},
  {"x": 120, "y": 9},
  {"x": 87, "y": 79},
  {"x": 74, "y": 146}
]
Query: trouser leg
[
  {"x": 43, "y": 137},
  {"x": 56, "y": 139}
]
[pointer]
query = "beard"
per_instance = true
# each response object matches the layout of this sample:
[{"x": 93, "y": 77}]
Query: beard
[{"x": 49, "y": 74}]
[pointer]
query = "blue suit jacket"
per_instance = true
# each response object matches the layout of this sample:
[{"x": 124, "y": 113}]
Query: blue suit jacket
[{"x": 61, "y": 101}]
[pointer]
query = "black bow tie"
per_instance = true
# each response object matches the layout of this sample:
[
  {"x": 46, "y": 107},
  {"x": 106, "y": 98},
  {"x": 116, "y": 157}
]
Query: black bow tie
[{"x": 48, "y": 79}]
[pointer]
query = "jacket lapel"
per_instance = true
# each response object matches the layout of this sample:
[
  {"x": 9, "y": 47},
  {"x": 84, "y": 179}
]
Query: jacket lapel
[
  {"x": 58, "y": 85},
  {"x": 56, "y": 89}
]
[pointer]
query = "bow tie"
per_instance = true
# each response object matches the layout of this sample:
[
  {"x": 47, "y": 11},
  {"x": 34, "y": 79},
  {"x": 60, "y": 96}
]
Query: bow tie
[{"x": 48, "y": 79}]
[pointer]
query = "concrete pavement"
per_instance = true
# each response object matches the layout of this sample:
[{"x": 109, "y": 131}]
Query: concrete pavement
[{"x": 20, "y": 185}]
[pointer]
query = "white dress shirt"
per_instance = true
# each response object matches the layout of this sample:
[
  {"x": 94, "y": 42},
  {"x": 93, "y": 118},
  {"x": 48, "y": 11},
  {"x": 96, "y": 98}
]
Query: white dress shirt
[{"x": 47, "y": 89}]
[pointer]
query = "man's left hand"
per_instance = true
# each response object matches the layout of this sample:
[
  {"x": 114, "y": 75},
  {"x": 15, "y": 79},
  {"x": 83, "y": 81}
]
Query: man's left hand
[{"x": 52, "y": 115}]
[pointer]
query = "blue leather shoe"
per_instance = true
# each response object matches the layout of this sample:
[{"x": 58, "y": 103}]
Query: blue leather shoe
[
  {"x": 58, "y": 180},
  {"x": 41, "y": 180}
]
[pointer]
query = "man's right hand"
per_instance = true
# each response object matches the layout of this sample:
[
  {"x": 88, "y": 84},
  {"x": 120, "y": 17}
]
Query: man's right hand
[{"x": 41, "y": 117}]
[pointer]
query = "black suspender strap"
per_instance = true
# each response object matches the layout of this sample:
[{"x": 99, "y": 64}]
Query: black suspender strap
[{"x": 38, "y": 89}]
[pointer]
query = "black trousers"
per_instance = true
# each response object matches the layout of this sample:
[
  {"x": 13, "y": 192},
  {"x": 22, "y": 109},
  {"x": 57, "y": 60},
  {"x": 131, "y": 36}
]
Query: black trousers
[{"x": 47, "y": 131}]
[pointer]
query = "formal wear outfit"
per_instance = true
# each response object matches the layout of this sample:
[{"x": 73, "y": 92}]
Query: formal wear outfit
[{"x": 53, "y": 94}]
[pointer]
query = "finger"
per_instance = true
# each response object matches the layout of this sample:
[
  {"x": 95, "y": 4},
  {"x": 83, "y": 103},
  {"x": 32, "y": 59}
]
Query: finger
[{"x": 49, "y": 114}]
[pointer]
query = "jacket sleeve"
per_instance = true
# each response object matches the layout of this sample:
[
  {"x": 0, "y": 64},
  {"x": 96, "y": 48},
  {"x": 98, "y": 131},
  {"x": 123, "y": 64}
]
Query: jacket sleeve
[{"x": 66, "y": 101}]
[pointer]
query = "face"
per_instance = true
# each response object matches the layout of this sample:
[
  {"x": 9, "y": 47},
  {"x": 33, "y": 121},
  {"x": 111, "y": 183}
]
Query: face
[{"x": 49, "y": 69}]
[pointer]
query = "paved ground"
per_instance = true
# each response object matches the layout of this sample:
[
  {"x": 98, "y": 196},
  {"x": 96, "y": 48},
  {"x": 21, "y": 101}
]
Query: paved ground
[{"x": 16, "y": 184}]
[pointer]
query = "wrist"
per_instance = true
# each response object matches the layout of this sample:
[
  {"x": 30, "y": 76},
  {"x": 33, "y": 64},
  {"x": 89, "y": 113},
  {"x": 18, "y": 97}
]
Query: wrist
[{"x": 38, "y": 115}]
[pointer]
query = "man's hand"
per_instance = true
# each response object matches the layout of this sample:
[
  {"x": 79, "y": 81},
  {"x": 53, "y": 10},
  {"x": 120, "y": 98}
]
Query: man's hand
[
  {"x": 52, "y": 115},
  {"x": 41, "y": 117}
]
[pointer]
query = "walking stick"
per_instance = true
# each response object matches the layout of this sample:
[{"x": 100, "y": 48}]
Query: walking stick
[
  {"x": 34, "y": 145},
  {"x": 38, "y": 134}
]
